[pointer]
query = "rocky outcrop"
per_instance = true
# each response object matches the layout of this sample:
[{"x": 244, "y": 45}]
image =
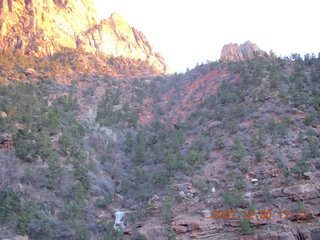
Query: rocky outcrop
[
  {"x": 114, "y": 36},
  {"x": 41, "y": 28},
  {"x": 236, "y": 52}
]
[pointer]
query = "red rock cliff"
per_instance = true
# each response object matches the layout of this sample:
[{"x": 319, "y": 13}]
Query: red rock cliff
[{"x": 41, "y": 28}]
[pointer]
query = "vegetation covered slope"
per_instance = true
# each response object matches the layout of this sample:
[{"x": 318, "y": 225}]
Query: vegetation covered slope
[{"x": 156, "y": 148}]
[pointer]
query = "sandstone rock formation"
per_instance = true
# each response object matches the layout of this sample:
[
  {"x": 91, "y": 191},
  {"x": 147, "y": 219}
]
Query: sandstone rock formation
[
  {"x": 236, "y": 52},
  {"x": 41, "y": 28}
]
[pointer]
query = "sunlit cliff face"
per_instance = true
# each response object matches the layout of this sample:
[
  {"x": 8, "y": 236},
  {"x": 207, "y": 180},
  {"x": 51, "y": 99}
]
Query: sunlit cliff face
[{"x": 41, "y": 28}]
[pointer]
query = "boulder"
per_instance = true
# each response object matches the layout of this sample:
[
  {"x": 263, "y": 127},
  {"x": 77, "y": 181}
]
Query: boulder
[
  {"x": 254, "y": 181},
  {"x": 182, "y": 194},
  {"x": 3, "y": 114},
  {"x": 214, "y": 124},
  {"x": 247, "y": 195},
  {"x": 29, "y": 71},
  {"x": 309, "y": 175},
  {"x": 206, "y": 213}
]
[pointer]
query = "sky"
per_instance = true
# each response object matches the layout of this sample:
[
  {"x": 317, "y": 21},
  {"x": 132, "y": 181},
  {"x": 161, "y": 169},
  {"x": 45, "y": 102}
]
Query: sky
[{"x": 187, "y": 32}]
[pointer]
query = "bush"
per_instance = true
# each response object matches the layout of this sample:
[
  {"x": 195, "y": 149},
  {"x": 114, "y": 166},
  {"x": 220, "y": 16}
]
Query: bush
[
  {"x": 9, "y": 203},
  {"x": 170, "y": 233},
  {"x": 26, "y": 178},
  {"x": 259, "y": 155},
  {"x": 25, "y": 216},
  {"x": 79, "y": 192},
  {"x": 140, "y": 154},
  {"x": 300, "y": 167},
  {"x": 232, "y": 198},
  {"x": 54, "y": 172},
  {"x": 312, "y": 151},
  {"x": 195, "y": 158},
  {"x": 232, "y": 127},
  {"x": 110, "y": 232},
  {"x": 219, "y": 143},
  {"x": 238, "y": 179},
  {"x": 40, "y": 228},
  {"x": 237, "y": 150},
  {"x": 160, "y": 178},
  {"x": 83, "y": 233},
  {"x": 205, "y": 188},
  {"x": 266, "y": 195},
  {"x": 81, "y": 174},
  {"x": 104, "y": 202},
  {"x": 246, "y": 228},
  {"x": 72, "y": 210},
  {"x": 167, "y": 210}
]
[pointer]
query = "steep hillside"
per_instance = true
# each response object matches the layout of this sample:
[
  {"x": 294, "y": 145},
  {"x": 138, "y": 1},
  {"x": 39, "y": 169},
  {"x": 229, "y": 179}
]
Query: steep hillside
[
  {"x": 259, "y": 119},
  {"x": 166, "y": 151},
  {"x": 102, "y": 147},
  {"x": 42, "y": 28}
]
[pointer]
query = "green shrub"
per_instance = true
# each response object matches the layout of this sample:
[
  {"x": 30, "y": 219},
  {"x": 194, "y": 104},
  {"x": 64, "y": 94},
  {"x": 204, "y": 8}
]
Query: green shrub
[
  {"x": 105, "y": 201},
  {"x": 126, "y": 184},
  {"x": 140, "y": 154},
  {"x": 81, "y": 174},
  {"x": 246, "y": 228},
  {"x": 167, "y": 210},
  {"x": 232, "y": 198},
  {"x": 237, "y": 150},
  {"x": 300, "y": 167},
  {"x": 266, "y": 195},
  {"x": 195, "y": 158},
  {"x": 232, "y": 127},
  {"x": 205, "y": 188},
  {"x": 238, "y": 179},
  {"x": 54, "y": 172},
  {"x": 160, "y": 178},
  {"x": 72, "y": 210},
  {"x": 79, "y": 192},
  {"x": 83, "y": 233},
  {"x": 23, "y": 222},
  {"x": 219, "y": 143},
  {"x": 41, "y": 227},
  {"x": 170, "y": 233},
  {"x": 299, "y": 206},
  {"x": 129, "y": 143},
  {"x": 313, "y": 150},
  {"x": 175, "y": 163},
  {"x": 9, "y": 203},
  {"x": 26, "y": 178},
  {"x": 110, "y": 233},
  {"x": 259, "y": 155},
  {"x": 25, "y": 216}
]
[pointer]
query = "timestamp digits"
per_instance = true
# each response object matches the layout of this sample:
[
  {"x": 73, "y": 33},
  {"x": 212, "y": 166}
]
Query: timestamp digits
[{"x": 262, "y": 214}]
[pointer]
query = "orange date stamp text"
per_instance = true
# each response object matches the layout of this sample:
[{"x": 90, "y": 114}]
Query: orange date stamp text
[{"x": 262, "y": 214}]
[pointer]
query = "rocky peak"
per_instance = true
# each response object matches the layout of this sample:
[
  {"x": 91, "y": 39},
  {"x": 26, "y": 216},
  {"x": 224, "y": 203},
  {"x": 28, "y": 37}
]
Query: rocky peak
[
  {"x": 236, "y": 52},
  {"x": 117, "y": 17},
  {"x": 41, "y": 28}
]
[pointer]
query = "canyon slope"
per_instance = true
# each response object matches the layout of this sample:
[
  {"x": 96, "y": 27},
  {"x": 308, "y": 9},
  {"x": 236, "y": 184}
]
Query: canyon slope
[
  {"x": 42, "y": 28},
  {"x": 109, "y": 148}
]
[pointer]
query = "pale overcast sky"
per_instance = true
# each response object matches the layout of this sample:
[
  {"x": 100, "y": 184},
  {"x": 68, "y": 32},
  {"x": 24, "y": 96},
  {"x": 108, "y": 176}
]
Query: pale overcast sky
[{"x": 189, "y": 31}]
